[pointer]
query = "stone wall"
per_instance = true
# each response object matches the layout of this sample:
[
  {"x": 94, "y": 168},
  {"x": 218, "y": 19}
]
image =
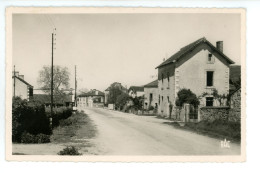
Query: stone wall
[
  {"x": 235, "y": 105},
  {"x": 214, "y": 113}
]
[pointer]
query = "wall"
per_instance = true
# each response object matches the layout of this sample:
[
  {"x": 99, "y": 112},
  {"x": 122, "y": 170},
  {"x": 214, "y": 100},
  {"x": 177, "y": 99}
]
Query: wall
[
  {"x": 166, "y": 89},
  {"x": 211, "y": 114},
  {"x": 235, "y": 105},
  {"x": 21, "y": 89},
  {"x": 147, "y": 92},
  {"x": 191, "y": 72}
]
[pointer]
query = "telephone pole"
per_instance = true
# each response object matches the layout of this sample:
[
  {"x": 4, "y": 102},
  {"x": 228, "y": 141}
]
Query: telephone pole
[
  {"x": 14, "y": 81},
  {"x": 75, "y": 99},
  {"x": 52, "y": 49}
]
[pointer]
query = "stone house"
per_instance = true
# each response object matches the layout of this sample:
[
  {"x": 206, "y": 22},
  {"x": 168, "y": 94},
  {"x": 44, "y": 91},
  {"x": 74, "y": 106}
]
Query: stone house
[
  {"x": 21, "y": 88},
  {"x": 200, "y": 67},
  {"x": 93, "y": 98},
  {"x": 136, "y": 91},
  {"x": 151, "y": 95}
]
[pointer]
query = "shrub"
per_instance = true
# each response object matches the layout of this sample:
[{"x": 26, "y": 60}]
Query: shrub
[
  {"x": 150, "y": 108},
  {"x": 39, "y": 138},
  {"x": 28, "y": 117},
  {"x": 59, "y": 114},
  {"x": 186, "y": 96},
  {"x": 70, "y": 150}
]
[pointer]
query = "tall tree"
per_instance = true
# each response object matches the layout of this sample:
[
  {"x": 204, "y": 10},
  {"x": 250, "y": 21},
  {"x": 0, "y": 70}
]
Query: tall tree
[{"x": 60, "y": 79}]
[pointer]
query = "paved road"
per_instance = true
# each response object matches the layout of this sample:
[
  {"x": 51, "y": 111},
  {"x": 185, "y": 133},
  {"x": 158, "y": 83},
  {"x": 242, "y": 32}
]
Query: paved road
[{"x": 128, "y": 134}]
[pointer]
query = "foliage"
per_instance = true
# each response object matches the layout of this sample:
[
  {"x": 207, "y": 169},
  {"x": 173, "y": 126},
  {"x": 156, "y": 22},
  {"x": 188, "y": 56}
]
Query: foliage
[
  {"x": 138, "y": 102},
  {"x": 59, "y": 113},
  {"x": 28, "y": 117},
  {"x": 121, "y": 100},
  {"x": 151, "y": 108},
  {"x": 39, "y": 138},
  {"x": 60, "y": 79},
  {"x": 69, "y": 150},
  {"x": 186, "y": 96},
  {"x": 114, "y": 92},
  {"x": 219, "y": 97}
]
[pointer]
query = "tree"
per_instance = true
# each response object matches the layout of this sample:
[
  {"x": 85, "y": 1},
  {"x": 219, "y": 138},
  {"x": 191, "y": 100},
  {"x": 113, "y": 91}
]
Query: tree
[
  {"x": 114, "y": 92},
  {"x": 186, "y": 96},
  {"x": 60, "y": 79},
  {"x": 121, "y": 100}
]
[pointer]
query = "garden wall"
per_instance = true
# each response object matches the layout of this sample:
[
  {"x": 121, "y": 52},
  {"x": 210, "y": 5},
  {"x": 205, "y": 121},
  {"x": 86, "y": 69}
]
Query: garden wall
[{"x": 214, "y": 113}]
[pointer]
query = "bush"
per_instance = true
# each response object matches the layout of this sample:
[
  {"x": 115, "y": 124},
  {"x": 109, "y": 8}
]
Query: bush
[
  {"x": 70, "y": 150},
  {"x": 39, "y": 138},
  {"x": 28, "y": 117},
  {"x": 151, "y": 108},
  {"x": 59, "y": 114},
  {"x": 186, "y": 96}
]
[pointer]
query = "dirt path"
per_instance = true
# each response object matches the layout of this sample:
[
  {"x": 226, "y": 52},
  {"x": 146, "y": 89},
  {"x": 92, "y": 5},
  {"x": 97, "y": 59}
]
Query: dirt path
[{"x": 128, "y": 134}]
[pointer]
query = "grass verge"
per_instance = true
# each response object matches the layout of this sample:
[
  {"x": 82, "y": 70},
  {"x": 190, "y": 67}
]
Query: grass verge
[{"x": 218, "y": 129}]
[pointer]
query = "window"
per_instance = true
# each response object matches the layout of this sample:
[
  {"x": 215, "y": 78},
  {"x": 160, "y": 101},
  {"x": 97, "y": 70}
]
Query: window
[
  {"x": 159, "y": 99},
  {"x": 209, "y": 101},
  {"x": 162, "y": 77},
  {"x": 168, "y": 99},
  {"x": 162, "y": 98},
  {"x": 151, "y": 97},
  {"x": 30, "y": 92},
  {"x": 210, "y": 58},
  {"x": 210, "y": 78},
  {"x": 168, "y": 77}
]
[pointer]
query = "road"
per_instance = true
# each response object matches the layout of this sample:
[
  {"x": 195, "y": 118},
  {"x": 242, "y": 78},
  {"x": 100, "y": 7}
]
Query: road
[{"x": 127, "y": 134}]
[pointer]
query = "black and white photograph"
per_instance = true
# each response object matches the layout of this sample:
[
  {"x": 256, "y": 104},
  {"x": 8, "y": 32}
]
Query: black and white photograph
[{"x": 125, "y": 84}]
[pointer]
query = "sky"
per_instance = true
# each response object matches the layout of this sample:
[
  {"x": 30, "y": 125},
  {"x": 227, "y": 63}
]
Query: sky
[{"x": 109, "y": 48}]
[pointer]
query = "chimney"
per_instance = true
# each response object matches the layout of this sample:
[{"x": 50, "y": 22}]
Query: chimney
[
  {"x": 21, "y": 76},
  {"x": 219, "y": 45}
]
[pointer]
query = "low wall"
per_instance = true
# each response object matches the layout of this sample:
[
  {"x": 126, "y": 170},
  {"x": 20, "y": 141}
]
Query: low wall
[{"x": 214, "y": 113}]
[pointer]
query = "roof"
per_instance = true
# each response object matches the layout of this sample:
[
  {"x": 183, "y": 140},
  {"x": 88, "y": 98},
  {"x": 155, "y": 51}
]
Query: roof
[
  {"x": 117, "y": 84},
  {"x": 22, "y": 80},
  {"x": 45, "y": 98},
  {"x": 153, "y": 84},
  {"x": 191, "y": 47},
  {"x": 136, "y": 88},
  {"x": 92, "y": 93}
]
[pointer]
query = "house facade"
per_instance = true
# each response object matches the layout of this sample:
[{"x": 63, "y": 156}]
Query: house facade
[
  {"x": 136, "y": 91},
  {"x": 21, "y": 88},
  {"x": 151, "y": 95},
  {"x": 200, "y": 67},
  {"x": 93, "y": 98}
]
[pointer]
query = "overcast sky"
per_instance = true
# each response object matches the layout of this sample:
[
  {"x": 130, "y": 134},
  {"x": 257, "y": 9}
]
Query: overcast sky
[{"x": 111, "y": 48}]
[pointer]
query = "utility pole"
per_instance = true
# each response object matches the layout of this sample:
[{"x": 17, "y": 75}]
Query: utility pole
[
  {"x": 52, "y": 38},
  {"x": 14, "y": 81},
  {"x": 75, "y": 99}
]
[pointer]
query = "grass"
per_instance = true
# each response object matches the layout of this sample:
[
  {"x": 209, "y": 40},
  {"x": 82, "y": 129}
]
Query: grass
[
  {"x": 77, "y": 126},
  {"x": 218, "y": 129}
]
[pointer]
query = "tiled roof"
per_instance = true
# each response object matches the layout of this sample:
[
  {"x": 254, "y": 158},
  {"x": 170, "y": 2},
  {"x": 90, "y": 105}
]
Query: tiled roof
[
  {"x": 136, "y": 88},
  {"x": 45, "y": 98},
  {"x": 153, "y": 84},
  {"x": 92, "y": 93},
  {"x": 22, "y": 81},
  {"x": 189, "y": 48}
]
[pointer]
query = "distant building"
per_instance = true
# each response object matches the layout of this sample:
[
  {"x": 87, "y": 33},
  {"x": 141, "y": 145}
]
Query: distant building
[
  {"x": 151, "y": 94},
  {"x": 200, "y": 67},
  {"x": 136, "y": 91},
  {"x": 93, "y": 98},
  {"x": 65, "y": 99},
  {"x": 21, "y": 88}
]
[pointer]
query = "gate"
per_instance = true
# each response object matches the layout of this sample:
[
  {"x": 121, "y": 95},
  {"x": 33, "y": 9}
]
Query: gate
[{"x": 193, "y": 113}]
